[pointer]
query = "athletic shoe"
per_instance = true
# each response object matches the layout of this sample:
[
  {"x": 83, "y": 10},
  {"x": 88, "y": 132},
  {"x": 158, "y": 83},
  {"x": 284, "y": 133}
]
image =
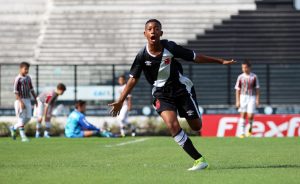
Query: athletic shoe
[
  {"x": 133, "y": 134},
  {"x": 47, "y": 136},
  {"x": 37, "y": 135},
  {"x": 106, "y": 134},
  {"x": 25, "y": 139},
  {"x": 242, "y": 136},
  {"x": 249, "y": 134},
  {"x": 199, "y": 164},
  {"x": 13, "y": 133}
]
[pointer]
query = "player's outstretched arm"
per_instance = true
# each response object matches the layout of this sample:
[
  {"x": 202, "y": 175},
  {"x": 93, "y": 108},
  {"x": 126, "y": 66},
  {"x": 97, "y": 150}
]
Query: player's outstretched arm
[
  {"x": 200, "y": 58},
  {"x": 116, "y": 106},
  {"x": 87, "y": 125}
]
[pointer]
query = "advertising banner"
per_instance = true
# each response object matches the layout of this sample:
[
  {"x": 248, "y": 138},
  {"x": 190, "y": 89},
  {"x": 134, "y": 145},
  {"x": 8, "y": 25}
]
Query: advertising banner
[{"x": 263, "y": 126}]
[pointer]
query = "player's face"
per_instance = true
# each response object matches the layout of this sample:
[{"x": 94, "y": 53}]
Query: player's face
[
  {"x": 246, "y": 69},
  {"x": 82, "y": 108},
  {"x": 60, "y": 92},
  {"x": 153, "y": 33},
  {"x": 24, "y": 70},
  {"x": 121, "y": 81}
]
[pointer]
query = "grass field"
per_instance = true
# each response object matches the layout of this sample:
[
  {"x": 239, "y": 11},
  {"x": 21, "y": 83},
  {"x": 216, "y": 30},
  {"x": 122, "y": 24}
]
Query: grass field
[{"x": 148, "y": 160}]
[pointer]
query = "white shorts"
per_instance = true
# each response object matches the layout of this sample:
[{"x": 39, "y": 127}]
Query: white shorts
[
  {"x": 123, "y": 116},
  {"x": 25, "y": 114},
  {"x": 39, "y": 110},
  {"x": 247, "y": 104}
]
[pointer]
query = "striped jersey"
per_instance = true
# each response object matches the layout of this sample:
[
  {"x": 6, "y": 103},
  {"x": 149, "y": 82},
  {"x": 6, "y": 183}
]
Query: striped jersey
[
  {"x": 163, "y": 70},
  {"x": 23, "y": 86},
  {"x": 247, "y": 84},
  {"x": 48, "y": 97}
]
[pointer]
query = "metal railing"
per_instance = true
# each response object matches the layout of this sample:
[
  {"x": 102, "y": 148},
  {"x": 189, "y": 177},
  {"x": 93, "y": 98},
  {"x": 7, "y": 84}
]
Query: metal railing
[{"x": 214, "y": 84}]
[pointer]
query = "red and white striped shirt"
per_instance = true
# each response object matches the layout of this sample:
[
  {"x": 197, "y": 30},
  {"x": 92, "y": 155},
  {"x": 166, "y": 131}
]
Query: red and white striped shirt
[
  {"x": 247, "y": 84},
  {"x": 23, "y": 86},
  {"x": 48, "y": 97}
]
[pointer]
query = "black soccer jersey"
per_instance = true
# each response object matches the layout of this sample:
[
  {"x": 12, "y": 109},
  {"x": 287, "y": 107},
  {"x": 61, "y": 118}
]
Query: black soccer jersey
[{"x": 162, "y": 70}]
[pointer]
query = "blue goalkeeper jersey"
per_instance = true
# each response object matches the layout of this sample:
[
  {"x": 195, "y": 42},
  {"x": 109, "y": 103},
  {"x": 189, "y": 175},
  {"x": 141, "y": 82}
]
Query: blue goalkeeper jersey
[{"x": 76, "y": 123}]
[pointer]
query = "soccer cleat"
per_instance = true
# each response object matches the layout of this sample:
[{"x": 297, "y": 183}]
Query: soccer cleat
[
  {"x": 25, "y": 139},
  {"x": 242, "y": 136},
  {"x": 37, "y": 135},
  {"x": 249, "y": 134},
  {"x": 106, "y": 134},
  {"x": 13, "y": 133},
  {"x": 199, "y": 164},
  {"x": 47, "y": 136}
]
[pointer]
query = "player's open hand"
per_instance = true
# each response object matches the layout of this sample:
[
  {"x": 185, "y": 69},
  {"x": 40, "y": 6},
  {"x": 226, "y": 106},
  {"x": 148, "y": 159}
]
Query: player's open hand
[
  {"x": 115, "y": 108},
  {"x": 229, "y": 62}
]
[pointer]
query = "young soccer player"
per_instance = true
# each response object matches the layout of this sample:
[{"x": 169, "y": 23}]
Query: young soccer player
[
  {"x": 247, "y": 96},
  {"x": 172, "y": 91},
  {"x": 23, "y": 88},
  {"x": 46, "y": 101},
  {"x": 123, "y": 116},
  {"x": 78, "y": 127}
]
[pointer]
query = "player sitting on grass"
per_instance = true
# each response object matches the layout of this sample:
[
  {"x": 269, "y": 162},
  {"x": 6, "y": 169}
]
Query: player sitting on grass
[
  {"x": 247, "y": 96},
  {"x": 46, "y": 101},
  {"x": 172, "y": 91},
  {"x": 23, "y": 88},
  {"x": 77, "y": 126}
]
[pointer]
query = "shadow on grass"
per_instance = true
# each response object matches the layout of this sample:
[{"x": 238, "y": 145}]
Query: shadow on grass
[{"x": 259, "y": 167}]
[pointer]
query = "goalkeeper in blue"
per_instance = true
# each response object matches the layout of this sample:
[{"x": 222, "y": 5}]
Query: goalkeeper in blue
[{"x": 78, "y": 127}]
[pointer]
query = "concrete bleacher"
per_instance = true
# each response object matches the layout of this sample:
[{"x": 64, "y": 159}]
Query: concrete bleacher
[
  {"x": 269, "y": 34},
  {"x": 93, "y": 32},
  {"x": 111, "y": 32},
  {"x": 19, "y": 31},
  {"x": 20, "y": 27}
]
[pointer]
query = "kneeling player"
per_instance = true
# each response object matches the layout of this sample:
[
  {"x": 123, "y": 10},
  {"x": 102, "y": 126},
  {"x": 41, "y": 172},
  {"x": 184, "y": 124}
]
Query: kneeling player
[
  {"x": 46, "y": 101},
  {"x": 247, "y": 96},
  {"x": 77, "y": 126}
]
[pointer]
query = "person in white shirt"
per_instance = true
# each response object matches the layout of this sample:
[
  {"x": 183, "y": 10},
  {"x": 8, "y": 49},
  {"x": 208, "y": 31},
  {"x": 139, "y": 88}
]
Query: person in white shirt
[
  {"x": 123, "y": 116},
  {"x": 247, "y": 97}
]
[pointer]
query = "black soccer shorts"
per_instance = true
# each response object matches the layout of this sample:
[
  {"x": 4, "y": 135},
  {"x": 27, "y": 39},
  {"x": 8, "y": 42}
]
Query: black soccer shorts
[{"x": 185, "y": 104}]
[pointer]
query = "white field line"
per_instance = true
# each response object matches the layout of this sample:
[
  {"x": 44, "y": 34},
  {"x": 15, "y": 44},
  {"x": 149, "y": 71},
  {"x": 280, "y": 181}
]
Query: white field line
[{"x": 128, "y": 142}]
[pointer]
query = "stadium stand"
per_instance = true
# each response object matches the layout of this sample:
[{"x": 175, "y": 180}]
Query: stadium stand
[
  {"x": 98, "y": 33},
  {"x": 108, "y": 31},
  {"x": 20, "y": 28},
  {"x": 21, "y": 22},
  {"x": 269, "y": 34}
]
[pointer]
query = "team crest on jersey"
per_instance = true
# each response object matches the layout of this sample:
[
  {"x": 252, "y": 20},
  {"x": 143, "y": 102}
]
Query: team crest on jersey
[
  {"x": 190, "y": 112},
  {"x": 148, "y": 63},
  {"x": 157, "y": 104},
  {"x": 167, "y": 61}
]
